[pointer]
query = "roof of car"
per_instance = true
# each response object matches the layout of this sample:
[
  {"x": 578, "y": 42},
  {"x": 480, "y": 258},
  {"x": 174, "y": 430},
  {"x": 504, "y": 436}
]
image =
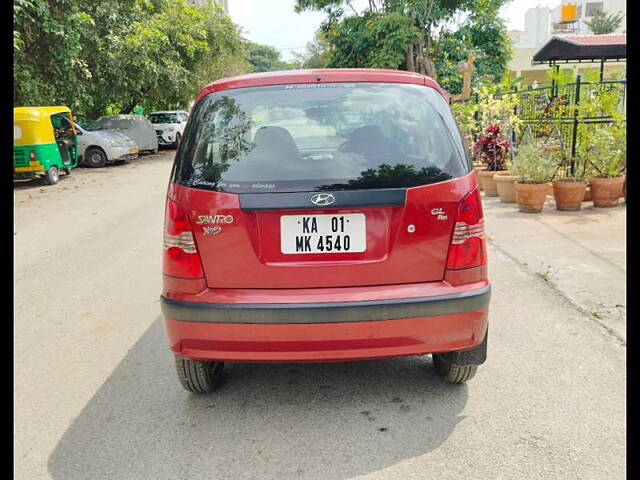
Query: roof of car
[
  {"x": 123, "y": 116},
  {"x": 329, "y": 75}
]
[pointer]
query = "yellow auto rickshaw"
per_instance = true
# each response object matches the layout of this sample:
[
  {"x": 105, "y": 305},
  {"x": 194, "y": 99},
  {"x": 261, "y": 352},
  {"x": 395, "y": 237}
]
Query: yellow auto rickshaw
[{"x": 44, "y": 142}]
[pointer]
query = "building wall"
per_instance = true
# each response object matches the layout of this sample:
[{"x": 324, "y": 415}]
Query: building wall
[{"x": 538, "y": 31}]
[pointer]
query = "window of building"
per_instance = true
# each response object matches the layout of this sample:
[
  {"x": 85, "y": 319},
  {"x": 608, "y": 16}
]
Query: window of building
[{"x": 593, "y": 7}]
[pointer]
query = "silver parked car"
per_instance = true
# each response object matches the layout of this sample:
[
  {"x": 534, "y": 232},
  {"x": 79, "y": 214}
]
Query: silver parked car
[
  {"x": 98, "y": 147},
  {"x": 135, "y": 126}
]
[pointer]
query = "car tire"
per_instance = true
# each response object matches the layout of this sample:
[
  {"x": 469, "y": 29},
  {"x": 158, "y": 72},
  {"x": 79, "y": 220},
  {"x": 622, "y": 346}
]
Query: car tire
[
  {"x": 95, "y": 158},
  {"x": 459, "y": 367},
  {"x": 53, "y": 175},
  {"x": 176, "y": 144},
  {"x": 198, "y": 376},
  {"x": 452, "y": 372}
]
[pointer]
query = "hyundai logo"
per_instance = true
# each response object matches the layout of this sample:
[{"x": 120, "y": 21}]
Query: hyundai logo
[{"x": 322, "y": 199}]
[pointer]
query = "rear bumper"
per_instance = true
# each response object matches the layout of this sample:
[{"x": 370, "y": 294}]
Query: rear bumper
[
  {"x": 121, "y": 153},
  {"x": 326, "y": 331},
  {"x": 128, "y": 156},
  {"x": 34, "y": 166}
]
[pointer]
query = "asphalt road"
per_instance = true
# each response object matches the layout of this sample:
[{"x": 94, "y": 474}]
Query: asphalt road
[{"x": 96, "y": 395}]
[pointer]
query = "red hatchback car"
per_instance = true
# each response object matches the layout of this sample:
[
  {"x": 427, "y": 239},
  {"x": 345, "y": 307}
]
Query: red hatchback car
[{"x": 323, "y": 215}]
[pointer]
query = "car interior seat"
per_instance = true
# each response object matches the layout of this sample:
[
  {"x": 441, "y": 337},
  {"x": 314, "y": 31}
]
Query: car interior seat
[
  {"x": 276, "y": 144},
  {"x": 370, "y": 142}
]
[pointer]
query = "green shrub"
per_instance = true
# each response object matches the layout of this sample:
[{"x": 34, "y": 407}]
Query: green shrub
[{"x": 533, "y": 165}]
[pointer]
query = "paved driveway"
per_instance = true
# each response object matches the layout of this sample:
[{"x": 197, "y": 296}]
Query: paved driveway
[{"x": 96, "y": 394}]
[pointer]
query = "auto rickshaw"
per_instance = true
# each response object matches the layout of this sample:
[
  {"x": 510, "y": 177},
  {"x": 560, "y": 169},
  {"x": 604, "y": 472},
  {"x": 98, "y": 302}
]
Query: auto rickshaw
[{"x": 44, "y": 142}]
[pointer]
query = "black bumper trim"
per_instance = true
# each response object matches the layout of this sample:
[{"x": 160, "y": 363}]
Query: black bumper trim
[
  {"x": 336, "y": 312},
  {"x": 342, "y": 199}
]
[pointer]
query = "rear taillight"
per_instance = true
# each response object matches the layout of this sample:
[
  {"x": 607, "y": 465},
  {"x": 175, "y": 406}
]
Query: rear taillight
[
  {"x": 180, "y": 258},
  {"x": 467, "y": 248},
  {"x": 32, "y": 156}
]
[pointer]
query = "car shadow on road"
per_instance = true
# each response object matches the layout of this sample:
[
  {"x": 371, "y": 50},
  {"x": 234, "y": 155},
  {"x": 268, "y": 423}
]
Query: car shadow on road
[{"x": 331, "y": 420}]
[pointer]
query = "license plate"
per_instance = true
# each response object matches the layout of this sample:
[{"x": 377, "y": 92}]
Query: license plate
[
  {"x": 133, "y": 150},
  {"x": 323, "y": 233}
]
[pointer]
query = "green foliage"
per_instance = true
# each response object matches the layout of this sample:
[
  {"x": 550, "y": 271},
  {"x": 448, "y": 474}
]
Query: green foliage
[
  {"x": 465, "y": 114},
  {"x": 496, "y": 109},
  {"x": 265, "y": 58},
  {"x": 533, "y": 164},
  {"x": 39, "y": 25},
  {"x": 607, "y": 152},
  {"x": 414, "y": 35},
  {"x": 371, "y": 41},
  {"x": 486, "y": 37},
  {"x": 317, "y": 53},
  {"x": 603, "y": 23},
  {"x": 566, "y": 76},
  {"x": 601, "y": 148},
  {"x": 115, "y": 54}
]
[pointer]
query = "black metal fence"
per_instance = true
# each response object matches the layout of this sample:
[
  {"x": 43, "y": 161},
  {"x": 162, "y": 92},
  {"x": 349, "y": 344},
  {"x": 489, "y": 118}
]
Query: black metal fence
[{"x": 549, "y": 114}]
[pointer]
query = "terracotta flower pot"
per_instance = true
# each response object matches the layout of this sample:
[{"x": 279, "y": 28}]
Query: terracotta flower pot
[
  {"x": 569, "y": 194},
  {"x": 625, "y": 189},
  {"x": 477, "y": 169},
  {"x": 505, "y": 185},
  {"x": 531, "y": 196},
  {"x": 606, "y": 191},
  {"x": 488, "y": 184},
  {"x": 550, "y": 189}
]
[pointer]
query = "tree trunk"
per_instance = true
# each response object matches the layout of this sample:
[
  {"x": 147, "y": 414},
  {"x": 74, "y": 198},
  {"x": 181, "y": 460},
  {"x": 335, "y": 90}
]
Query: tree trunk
[
  {"x": 409, "y": 58},
  {"x": 130, "y": 106},
  {"x": 411, "y": 66},
  {"x": 134, "y": 102},
  {"x": 430, "y": 68}
]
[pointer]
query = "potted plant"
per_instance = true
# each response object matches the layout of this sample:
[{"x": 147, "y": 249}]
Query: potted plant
[
  {"x": 554, "y": 150},
  {"x": 569, "y": 192},
  {"x": 607, "y": 153},
  {"x": 505, "y": 184},
  {"x": 536, "y": 169},
  {"x": 492, "y": 149},
  {"x": 570, "y": 187}
]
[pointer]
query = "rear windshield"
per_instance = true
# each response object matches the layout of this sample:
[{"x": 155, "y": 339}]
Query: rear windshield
[{"x": 308, "y": 137}]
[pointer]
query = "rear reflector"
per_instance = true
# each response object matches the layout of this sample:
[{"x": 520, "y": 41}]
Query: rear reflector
[
  {"x": 32, "y": 156},
  {"x": 468, "y": 247},
  {"x": 180, "y": 258}
]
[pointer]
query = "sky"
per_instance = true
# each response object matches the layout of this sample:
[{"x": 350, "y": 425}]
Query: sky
[{"x": 273, "y": 22}]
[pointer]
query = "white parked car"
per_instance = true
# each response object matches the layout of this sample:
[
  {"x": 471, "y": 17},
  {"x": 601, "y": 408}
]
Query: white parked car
[
  {"x": 98, "y": 147},
  {"x": 169, "y": 126}
]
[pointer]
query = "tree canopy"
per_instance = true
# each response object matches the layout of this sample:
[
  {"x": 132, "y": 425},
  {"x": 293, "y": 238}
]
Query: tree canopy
[
  {"x": 317, "y": 53},
  {"x": 603, "y": 23},
  {"x": 265, "y": 58},
  {"x": 427, "y": 36},
  {"x": 112, "y": 55}
]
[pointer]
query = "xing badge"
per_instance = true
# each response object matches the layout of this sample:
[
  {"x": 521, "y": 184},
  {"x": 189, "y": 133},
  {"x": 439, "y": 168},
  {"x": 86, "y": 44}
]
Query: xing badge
[
  {"x": 211, "y": 230},
  {"x": 439, "y": 213}
]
